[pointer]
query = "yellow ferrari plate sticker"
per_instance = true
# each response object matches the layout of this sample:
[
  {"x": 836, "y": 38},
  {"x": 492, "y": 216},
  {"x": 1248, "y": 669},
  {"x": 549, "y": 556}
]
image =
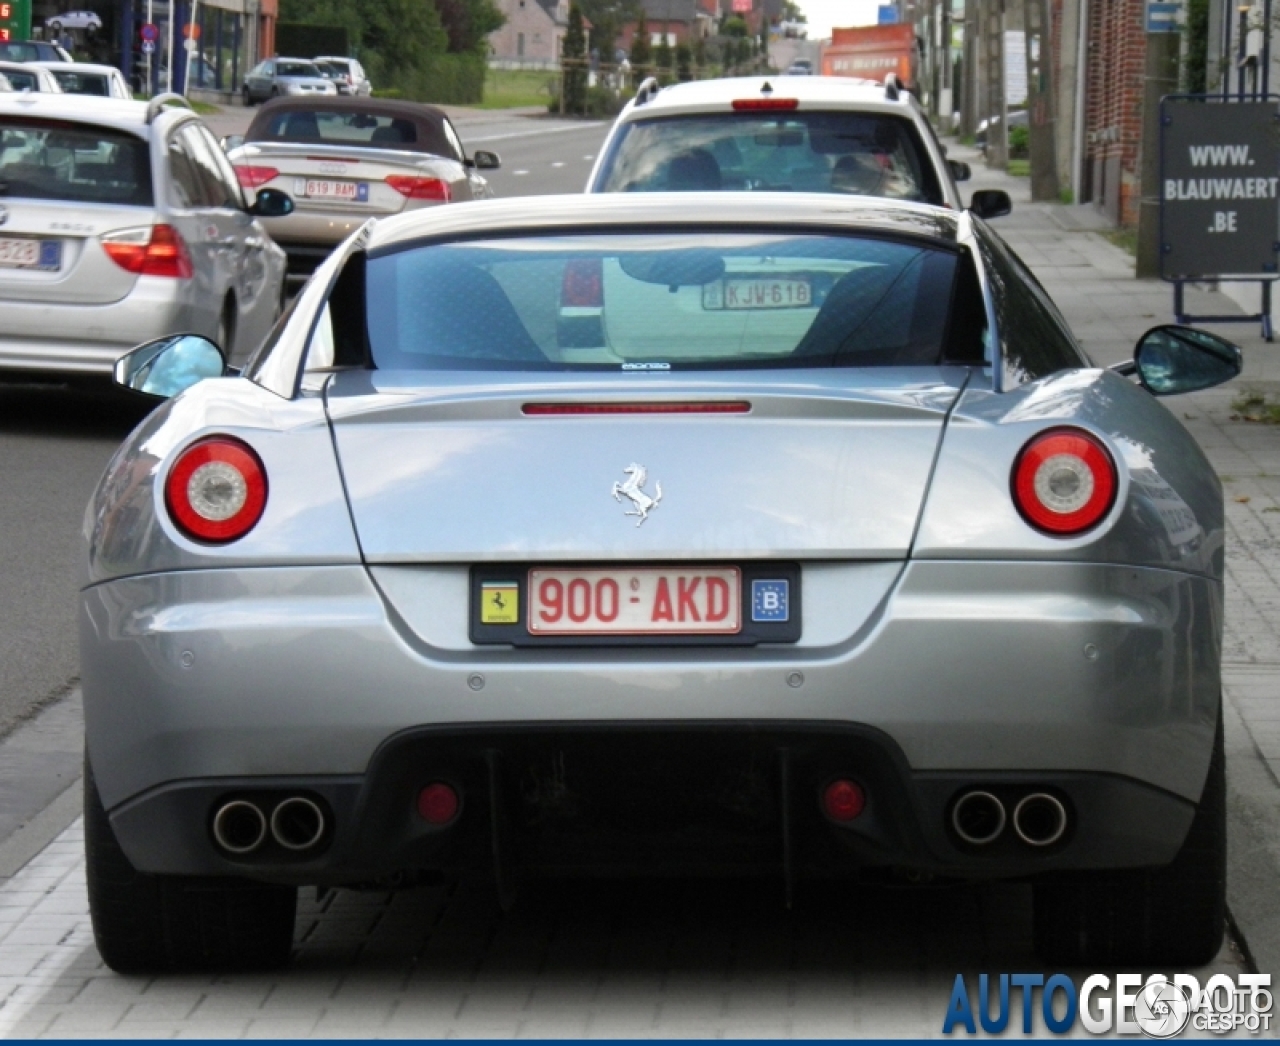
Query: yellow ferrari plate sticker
[{"x": 499, "y": 603}]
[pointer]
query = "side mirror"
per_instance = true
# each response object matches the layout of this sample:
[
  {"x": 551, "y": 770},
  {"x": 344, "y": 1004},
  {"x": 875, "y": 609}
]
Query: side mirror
[
  {"x": 1171, "y": 360},
  {"x": 231, "y": 141},
  {"x": 959, "y": 170},
  {"x": 483, "y": 160},
  {"x": 272, "y": 203},
  {"x": 990, "y": 203},
  {"x": 167, "y": 366}
]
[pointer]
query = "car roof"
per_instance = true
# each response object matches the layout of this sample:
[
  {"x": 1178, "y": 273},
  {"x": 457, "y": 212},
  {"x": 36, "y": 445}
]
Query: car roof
[
  {"x": 824, "y": 212},
  {"x": 117, "y": 113},
  {"x": 428, "y": 119},
  {"x": 74, "y": 67},
  {"x": 811, "y": 92}
]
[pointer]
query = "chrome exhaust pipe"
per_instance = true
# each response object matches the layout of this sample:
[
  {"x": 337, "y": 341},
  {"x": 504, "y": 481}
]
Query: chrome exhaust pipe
[
  {"x": 1040, "y": 819},
  {"x": 978, "y": 818},
  {"x": 297, "y": 823},
  {"x": 239, "y": 827}
]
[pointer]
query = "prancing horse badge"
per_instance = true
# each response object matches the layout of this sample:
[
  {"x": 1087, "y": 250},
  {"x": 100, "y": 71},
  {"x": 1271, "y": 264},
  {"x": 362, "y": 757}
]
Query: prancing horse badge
[{"x": 633, "y": 488}]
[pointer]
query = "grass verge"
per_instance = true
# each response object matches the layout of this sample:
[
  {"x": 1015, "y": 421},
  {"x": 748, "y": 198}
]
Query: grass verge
[
  {"x": 1125, "y": 239},
  {"x": 1254, "y": 405},
  {"x": 512, "y": 88},
  {"x": 1020, "y": 168}
]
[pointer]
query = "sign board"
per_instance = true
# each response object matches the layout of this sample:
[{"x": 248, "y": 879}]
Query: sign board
[
  {"x": 15, "y": 20},
  {"x": 1219, "y": 175},
  {"x": 148, "y": 47},
  {"x": 887, "y": 15},
  {"x": 1163, "y": 16},
  {"x": 149, "y": 31},
  {"x": 191, "y": 31}
]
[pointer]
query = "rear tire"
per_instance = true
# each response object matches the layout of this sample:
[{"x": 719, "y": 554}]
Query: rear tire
[
  {"x": 248, "y": 97},
  {"x": 1172, "y": 916},
  {"x": 146, "y": 923}
]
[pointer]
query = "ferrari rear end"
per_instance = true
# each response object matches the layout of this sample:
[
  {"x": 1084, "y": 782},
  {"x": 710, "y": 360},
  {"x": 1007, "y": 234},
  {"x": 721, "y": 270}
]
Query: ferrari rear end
[{"x": 647, "y": 542}]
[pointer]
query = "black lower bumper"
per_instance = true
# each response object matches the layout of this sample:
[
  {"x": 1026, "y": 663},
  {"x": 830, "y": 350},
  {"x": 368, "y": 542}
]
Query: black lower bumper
[{"x": 707, "y": 798}]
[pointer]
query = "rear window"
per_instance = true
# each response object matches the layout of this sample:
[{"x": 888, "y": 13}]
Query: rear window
[
  {"x": 53, "y": 160},
  {"x": 296, "y": 69},
  {"x": 21, "y": 80},
  {"x": 861, "y": 153},
  {"x": 83, "y": 83},
  {"x": 23, "y": 52},
  {"x": 677, "y": 301},
  {"x": 335, "y": 128}
]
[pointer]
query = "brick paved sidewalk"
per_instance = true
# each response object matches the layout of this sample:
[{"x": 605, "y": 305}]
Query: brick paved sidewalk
[{"x": 1093, "y": 283}]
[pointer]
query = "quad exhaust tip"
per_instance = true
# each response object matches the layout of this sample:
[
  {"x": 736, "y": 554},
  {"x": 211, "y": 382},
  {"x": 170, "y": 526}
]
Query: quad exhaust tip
[
  {"x": 297, "y": 823},
  {"x": 978, "y": 818},
  {"x": 239, "y": 827},
  {"x": 1040, "y": 819}
]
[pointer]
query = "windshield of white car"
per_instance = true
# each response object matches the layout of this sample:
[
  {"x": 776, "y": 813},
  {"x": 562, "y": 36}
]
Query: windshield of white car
[
  {"x": 22, "y": 81},
  {"x": 61, "y": 160},
  {"x": 867, "y": 154},
  {"x": 680, "y": 300},
  {"x": 298, "y": 69}
]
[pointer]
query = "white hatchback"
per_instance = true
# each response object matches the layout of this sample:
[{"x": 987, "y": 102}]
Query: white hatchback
[{"x": 782, "y": 134}]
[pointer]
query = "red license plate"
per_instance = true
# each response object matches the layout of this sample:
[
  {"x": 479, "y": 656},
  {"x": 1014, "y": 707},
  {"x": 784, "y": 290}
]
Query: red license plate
[{"x": 635, "y": 601}]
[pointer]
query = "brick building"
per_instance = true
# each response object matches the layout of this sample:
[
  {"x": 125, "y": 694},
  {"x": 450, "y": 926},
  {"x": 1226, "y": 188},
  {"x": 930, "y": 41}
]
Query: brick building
[
  {"x": 681, "y": 20},
  {"x": 1113, "y": 64}
]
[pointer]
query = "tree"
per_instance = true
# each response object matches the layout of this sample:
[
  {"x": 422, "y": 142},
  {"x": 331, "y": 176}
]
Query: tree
[
  {"x": 662, "y": 53},
  {"x": 575, "y": 65},
  {"x": 469, "y": 23},
  {"x": 607, "y": 17},
  {"x": 734, "y": 25},
  {"x": 684, "y": 63},
  {"x": 641, "y": 54}
]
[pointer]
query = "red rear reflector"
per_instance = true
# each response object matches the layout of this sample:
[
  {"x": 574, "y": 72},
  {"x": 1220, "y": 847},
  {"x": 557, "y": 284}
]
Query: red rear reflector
[
  {"x": 561, "y": 409},
  {"x": 156, "y": 250},
  {"x": 216, "y": 490},
  {"x": 583, "y": 284},
  {"x": 251, "y": 177},
  {"x": 843, "y": 800},
  {"x": 758, "y": 104},
  {"x": 1064, "y": 481},
  {"x": 438, "y": 803},
  {"x": 419, "y": 188}
]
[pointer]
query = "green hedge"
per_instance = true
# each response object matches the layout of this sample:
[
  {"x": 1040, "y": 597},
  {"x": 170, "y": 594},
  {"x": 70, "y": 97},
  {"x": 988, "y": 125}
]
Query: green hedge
[
  {"x": 307, "y": 41},
  {"x": 447, "y": 79}
]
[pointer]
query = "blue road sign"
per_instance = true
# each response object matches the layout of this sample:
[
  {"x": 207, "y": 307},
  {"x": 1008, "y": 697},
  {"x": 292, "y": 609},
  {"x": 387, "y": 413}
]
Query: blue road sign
[{"x": 1163, "y": 16}]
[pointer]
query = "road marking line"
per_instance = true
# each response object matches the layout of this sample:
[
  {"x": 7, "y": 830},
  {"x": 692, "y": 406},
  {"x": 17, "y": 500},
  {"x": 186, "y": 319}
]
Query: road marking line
[
  {"x": 558, "y": 163},
  {"x": 529, "y": 134},
  {"x": 518, "y": 173}
]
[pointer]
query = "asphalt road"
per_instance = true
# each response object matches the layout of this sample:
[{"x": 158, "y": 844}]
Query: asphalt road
[{"x": 55, "y": 441}]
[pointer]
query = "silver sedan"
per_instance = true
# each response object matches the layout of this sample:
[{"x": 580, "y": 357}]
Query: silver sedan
[{"x": 662, "y": 534}]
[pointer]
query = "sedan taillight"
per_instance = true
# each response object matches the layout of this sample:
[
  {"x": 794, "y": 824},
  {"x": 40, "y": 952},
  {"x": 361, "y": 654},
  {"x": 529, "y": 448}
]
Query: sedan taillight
[
  {"x": 1064, "y": 481},
  {"x": 419, "y": 188},
  {"x": 149, "y": 250},
  {"x": 216, "y": 490},
  {"x": 251, "y": 177}
]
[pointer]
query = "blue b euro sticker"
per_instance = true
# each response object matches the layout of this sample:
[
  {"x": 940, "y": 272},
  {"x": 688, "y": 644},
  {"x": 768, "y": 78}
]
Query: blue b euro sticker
[{"x": 770, "y": 600}]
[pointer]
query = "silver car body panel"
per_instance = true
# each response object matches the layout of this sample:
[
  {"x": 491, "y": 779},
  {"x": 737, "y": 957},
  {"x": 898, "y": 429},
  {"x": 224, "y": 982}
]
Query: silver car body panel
[
  {"x": 83, "y": 317},
  {"x": 932, "y": 612}
]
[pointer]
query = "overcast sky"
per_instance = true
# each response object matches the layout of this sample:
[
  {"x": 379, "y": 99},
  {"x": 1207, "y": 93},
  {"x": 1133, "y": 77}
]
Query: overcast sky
[{"x": 823, "y": 14}]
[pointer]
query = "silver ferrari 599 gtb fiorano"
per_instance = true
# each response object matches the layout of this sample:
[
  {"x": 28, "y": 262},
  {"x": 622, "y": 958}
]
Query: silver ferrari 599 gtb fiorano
[{"x": 733, "y": 534}]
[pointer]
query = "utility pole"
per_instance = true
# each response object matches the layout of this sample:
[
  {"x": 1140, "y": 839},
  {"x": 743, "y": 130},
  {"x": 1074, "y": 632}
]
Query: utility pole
[
  {"x": 1041, "y": 102},
  {"x": 969, "y": 90},
  {"x": 1160, "y": 78},
  {"x": 996, "y": 115}
]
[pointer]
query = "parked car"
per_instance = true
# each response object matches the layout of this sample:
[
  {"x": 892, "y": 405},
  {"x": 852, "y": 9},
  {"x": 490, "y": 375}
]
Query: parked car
[
  {"x": 105, "y": 81},
  {"x": 279, "y": 77},
  {"x": 346, "y": 160},
  {"x": 833, "y": 579},
  {"x": 33, "y": 51},
  {"x": 356, "y": 79},
  {"x": 336, "y": 76},
  {"x": 798, "y": 69},
  {"x": 123, "y": 217},
  {"x": 31, "y": 77},
  {"x": 816, "y": 134},
  {"x": 88, "y": 20}
]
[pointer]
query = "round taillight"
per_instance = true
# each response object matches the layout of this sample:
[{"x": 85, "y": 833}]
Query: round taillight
[
  {"x": 1064, "y": 481},
  {"x": 216, "y": 490},
  {"x": 843, "y": 800},
  {"x": 438, "y": 803}
]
